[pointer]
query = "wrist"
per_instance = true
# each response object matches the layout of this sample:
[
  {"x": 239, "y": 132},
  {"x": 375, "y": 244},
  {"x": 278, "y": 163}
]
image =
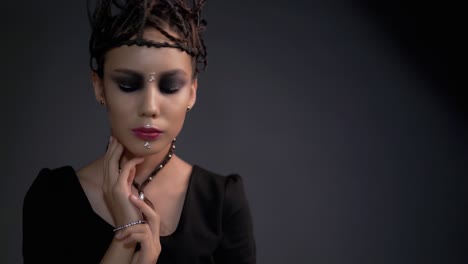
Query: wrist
[
  {"x": 129, "y": 224},
  {"x": 125, "y": 219}
]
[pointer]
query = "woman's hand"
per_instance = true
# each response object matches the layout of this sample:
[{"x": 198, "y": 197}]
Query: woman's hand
[
  {"x": 117, "y": 186},
  {"x": 146, "y": 234}
]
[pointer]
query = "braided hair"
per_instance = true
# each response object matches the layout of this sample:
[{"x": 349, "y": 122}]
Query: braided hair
[{"x": 116, "y": 23}]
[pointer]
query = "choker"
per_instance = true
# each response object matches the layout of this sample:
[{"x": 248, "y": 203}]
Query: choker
[{"x": 150, "y": 177}]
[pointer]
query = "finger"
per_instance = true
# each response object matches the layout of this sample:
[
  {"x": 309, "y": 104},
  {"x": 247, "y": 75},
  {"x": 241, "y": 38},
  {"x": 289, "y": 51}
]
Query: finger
[
  {"x": 142, "y": 238},
  {"x": 131, "y": 176},
  {"x": 136, "y": 257},
  {"x": 136, "y": 233},
  {"x": 150, "y": 248},
  {"x": 152, "y": 218},
  {"x": 142, "y": 234},
  {"x": 129, "y": 165},
  {"x": 110, "y": 149},
  {"x": 114, "y": 159}
]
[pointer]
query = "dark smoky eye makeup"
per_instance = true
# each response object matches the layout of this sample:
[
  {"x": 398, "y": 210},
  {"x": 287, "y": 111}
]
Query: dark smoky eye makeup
[
  {"x": 128, "y": 83},
  {"x": 168, "y": 82},
  {"x": 171, "y": 83}
]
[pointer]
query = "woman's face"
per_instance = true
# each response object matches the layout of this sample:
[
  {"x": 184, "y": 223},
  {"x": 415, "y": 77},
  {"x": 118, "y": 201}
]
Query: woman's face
[{"x": 146, "y": 86}]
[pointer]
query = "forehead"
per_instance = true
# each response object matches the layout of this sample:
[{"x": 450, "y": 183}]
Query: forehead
[{"x": 148, "y": 59}]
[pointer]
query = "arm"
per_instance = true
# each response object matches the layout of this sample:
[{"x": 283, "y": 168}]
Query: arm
[
  {"x": 118, "y": 253},
  {"x": 126, "y": 208},
  {"x": 146, "y": 234},
  {"x": 238, "y": 242},
  {"x": 116, "y": 188}
]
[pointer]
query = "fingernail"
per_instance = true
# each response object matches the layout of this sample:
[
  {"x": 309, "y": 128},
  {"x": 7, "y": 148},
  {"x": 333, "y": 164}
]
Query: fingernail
[
  {"x": 110, "y": 139},
  {"x": 133, "y": 197}
]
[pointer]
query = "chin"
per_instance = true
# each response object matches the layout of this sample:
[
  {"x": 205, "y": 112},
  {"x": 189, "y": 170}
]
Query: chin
[{"x": 139, "y": 150}]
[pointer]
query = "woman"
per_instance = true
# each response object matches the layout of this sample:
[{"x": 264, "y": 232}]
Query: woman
[{"x": 139, "y": 202}]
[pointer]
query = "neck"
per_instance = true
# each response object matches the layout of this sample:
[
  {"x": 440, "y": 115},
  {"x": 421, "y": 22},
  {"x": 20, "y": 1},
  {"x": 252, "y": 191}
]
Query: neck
[{"x": 144, "y": 169}]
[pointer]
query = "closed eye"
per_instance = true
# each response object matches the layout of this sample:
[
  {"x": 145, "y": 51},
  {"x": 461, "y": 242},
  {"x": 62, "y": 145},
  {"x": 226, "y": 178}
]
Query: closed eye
[
  {"x": 170, "y": 85},
  {"x": 169, "y": 82},
  {"x": 172, "y": 81},
  {"x": 127, "y": 80},
  {"x": 127, "y": 87}
]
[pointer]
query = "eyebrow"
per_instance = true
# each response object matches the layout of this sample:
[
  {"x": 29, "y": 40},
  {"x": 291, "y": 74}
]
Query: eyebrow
[
  {"x": 174, "y": 73},
  {"x": 139, "y": 74},
  {"x": 129, "y": 72}
]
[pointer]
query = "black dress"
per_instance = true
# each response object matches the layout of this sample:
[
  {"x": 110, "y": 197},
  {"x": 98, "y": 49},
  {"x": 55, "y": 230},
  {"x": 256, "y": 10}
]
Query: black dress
[{"x": 60, "y": 226}]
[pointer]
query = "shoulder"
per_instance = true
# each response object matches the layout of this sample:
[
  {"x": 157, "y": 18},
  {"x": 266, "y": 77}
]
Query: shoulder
[
  {"x": 227, "y": 188},
  {"x": 212, "y": 179},
  {"x": 47, "y": 182},
  {"x": 237, "y": 242},
  {"x": 44, "y": 213},
  {"x": 47, "y": 178}
]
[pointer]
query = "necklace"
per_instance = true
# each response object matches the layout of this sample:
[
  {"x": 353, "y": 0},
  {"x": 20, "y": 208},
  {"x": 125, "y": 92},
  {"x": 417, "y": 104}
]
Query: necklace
[{"x": 141, "y": 186}]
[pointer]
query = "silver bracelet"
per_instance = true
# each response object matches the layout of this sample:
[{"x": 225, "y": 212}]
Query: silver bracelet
[{"x": 130, "y": 224}]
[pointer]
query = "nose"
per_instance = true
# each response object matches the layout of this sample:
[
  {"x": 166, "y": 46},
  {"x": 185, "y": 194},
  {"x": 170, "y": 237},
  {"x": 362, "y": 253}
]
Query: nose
[{"x": 149, "y": 106}]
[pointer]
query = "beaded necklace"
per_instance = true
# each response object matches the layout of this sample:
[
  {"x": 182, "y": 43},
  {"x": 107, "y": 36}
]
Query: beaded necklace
[{"x": 140, "y": 187}]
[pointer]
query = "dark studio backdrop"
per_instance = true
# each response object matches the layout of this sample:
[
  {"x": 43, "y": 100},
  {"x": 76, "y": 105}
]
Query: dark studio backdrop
[{"x": 345, "y": 119}]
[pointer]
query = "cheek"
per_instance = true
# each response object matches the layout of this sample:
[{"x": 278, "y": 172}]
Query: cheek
[
  {"x": 120, "y": 109},
  {"x": 176, "y": 106},
  {"x": 118, "y": 114},
  {"x": 175, "y": 112}
]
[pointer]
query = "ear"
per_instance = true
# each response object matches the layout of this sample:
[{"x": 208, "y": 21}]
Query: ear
[
  {"x": 98, "y": 87},
  {"x": 193, "y": 93}
]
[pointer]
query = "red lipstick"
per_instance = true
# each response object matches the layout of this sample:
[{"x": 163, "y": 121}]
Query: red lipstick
[{"x": 147, "y": 133}]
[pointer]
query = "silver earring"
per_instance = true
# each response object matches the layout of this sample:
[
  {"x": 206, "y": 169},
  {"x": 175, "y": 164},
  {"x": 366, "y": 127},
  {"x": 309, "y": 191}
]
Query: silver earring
[
  {"x": 147, "y": 125},
  {"x": 188, "y": 108},
  {"x": 147, "y": 145},
  {"x": 101, "y": 102}
]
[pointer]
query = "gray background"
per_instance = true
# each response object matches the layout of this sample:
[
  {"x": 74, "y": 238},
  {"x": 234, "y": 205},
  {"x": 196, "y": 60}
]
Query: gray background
[{"x": 344, "y": 118}]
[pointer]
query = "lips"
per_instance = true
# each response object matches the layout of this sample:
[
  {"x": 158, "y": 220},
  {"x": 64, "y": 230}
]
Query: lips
[{"x": 147, "y": 133}]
